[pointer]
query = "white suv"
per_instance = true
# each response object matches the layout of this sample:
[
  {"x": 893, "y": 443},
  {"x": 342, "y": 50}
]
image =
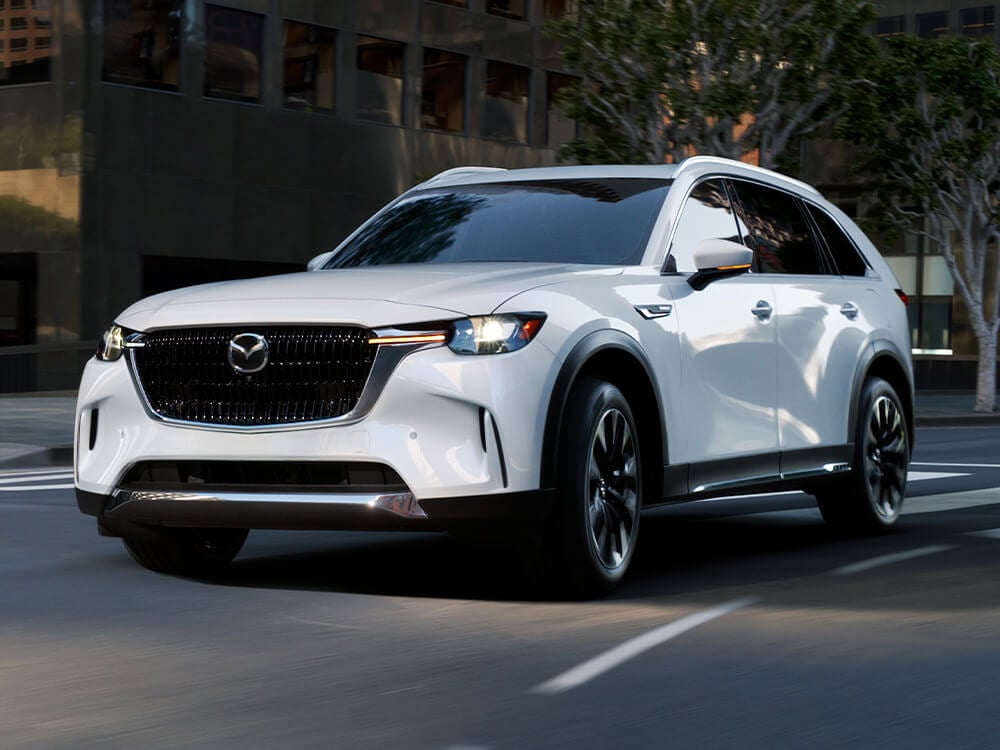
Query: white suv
[{"x": 530, "y": 355}]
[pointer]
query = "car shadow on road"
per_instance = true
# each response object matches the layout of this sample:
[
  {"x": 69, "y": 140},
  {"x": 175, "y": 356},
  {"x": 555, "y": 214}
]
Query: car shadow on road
[{"x": 708, "y": 550}]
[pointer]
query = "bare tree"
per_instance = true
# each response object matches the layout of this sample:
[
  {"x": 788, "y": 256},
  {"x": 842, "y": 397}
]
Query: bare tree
[{"x": 933, "y": 119}]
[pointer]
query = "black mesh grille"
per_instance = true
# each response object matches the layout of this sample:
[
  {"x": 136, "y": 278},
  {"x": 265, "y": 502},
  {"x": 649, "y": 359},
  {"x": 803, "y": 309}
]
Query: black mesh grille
[{"x": 313, "y": 373}]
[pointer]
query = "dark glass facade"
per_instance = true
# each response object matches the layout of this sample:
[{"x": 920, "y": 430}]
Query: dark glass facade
[{"x": 149, "y": 144}]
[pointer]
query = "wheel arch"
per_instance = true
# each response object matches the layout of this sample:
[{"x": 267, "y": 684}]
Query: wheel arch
[
  {"x": 886, "y": 362},
  {"x": 617, "y": 358}
]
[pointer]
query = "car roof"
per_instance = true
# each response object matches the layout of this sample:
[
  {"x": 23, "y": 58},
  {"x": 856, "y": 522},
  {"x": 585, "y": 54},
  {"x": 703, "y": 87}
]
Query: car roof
[{"x": 692, "y": 167}]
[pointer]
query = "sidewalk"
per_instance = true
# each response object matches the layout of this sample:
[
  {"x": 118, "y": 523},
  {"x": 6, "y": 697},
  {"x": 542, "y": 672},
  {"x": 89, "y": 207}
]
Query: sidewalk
[{"x": 37, "y": 429}]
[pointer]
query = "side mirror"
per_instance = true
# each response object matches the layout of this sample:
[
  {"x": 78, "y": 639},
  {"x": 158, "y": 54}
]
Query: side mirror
[
  {"x": 717, "y": 259},
  {"x": 319, "y": 261}
]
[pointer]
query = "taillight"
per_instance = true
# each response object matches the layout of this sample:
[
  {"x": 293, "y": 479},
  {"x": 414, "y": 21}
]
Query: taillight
[{"x": 902, "y": 296}]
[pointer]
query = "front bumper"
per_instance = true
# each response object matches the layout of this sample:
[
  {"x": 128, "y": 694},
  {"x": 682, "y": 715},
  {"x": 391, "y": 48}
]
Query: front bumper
[
  {"x": 124, "y": 512},
  {"x": 463, "y": 433}
]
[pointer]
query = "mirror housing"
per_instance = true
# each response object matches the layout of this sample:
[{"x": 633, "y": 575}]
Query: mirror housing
[
  {"x": 319, "y": 260},
  {"x": 718, "y": 259}
]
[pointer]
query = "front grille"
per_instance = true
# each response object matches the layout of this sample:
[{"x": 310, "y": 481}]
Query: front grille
[{"x": 313, "y": 373}]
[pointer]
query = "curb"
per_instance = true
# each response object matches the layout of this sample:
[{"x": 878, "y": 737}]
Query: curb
[{"x": 958, "y": 420}]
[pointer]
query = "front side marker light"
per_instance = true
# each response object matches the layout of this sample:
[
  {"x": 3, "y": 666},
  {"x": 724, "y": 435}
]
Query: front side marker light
[
  {"x": 495, "y": 334},
  {"x": 115, "y": 341}
]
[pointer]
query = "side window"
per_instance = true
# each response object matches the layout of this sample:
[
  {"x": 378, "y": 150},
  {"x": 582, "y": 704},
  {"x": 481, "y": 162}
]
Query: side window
[
  {"x": 707, "y": 214},
  {"x": 845, "y": 254},
  {"x": 780, "y": 236}
]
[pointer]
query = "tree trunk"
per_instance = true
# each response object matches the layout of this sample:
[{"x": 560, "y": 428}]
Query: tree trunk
[{"x": 986, "y": 376}]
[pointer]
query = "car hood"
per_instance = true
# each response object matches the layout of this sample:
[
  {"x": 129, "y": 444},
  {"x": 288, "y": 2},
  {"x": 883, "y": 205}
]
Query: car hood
[{"x": 371, "y": 297}]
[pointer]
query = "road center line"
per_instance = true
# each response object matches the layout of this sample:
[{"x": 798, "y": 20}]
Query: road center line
[
  {"x": 919, "y": 476},
  {"x": 35, "y": 478},
  {"x": 896, "y": 557},
  {"x": 987, "y": 533},
  {"x": 960, "y": 466},
  {"x": 630, "y": 649},
  {"x": 34, "y": 487}
]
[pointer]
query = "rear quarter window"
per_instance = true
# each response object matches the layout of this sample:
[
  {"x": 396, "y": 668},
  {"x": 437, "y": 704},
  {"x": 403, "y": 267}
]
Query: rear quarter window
[{"x": 842, "y": 249}]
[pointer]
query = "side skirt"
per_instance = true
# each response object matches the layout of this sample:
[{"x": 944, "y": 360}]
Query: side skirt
[{"x": 745, "y": 475}]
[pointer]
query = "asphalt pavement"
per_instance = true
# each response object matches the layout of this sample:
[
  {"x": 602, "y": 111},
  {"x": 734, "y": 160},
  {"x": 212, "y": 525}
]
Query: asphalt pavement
[
  {"x": 36, "y": 429},
  {"x": 742, "y": 624}
]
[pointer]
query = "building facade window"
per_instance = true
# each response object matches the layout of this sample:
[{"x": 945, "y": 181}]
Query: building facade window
[
  {"x": 18, "y": 22},
  {"x": 16, "y": 4},
  {"x": 890, "y": 26},
  {"x": 2, "y": 22},
  {"x": 456, "y": 3},
  {"x": 932, "y": 25},
  {"x": 506, "y": 8},
  {"x": 380, "y": 80},
  {"x": 442, "y": 103},
  {"x": 142, "y": 43},
  {"x": 559, "y": 129},
  {"x": 505, "y": 115},
  {"x": 559, "y": 8},
  {"x": 233, "y": 48},
  {"x": 977, "y": 22},
  {"x": 310, "y": 77},
  {"x": 18, "y": 45}
]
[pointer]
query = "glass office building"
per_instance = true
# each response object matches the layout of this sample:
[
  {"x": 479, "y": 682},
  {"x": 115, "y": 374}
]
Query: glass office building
[{"x": 150, "y": 144}]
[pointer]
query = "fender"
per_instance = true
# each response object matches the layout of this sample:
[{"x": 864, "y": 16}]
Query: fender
[
  {"x": 881, "y": 348},
  {"x": 582, "y": 352}
]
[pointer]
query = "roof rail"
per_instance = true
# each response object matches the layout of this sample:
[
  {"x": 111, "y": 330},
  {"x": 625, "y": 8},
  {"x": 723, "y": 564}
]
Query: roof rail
[
  {"x": 455, "y": 171},
  {"x": 722, "y": 160}
]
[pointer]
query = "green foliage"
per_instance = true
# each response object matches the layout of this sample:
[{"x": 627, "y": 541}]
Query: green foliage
[
  {"x": 930, "y": 116},
  {"x": 29, "y": 228},
  {"x": 663, "y": 79}
]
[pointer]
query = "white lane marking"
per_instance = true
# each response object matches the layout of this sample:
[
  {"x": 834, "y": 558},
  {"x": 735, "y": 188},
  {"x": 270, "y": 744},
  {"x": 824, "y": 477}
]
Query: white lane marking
[
  {"x": 35, "y": 487},
  {"x": 49, "y": 477},
  {"x": 919, "y": 476},
  {"x": 957, "y": 466},
  {"x": 630, "y": 649},
  {"x": 952, "y": 501},
  {"x": 876, "y": 562},
  {"x": 36, "y": 472},
  {"x": 987, "y": 533}
]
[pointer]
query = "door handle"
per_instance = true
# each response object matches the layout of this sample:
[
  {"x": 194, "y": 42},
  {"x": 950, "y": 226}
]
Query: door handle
[
  {"x": 762, "y": 310},
  {"x": 849, "y": 310}
]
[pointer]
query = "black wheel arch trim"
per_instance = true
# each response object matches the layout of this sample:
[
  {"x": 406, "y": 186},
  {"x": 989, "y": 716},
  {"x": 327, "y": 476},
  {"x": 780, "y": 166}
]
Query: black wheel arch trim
[
  {"x": 583, "y": 352},
  {"x": 881, "y": 348}
]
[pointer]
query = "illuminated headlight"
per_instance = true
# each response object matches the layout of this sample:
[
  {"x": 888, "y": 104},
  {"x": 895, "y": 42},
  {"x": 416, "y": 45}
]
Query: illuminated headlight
[
  {"x": 495, "y": 334},
  {"x": 113, "y": 343}
]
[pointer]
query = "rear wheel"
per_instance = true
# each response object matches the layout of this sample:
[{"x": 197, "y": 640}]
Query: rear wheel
[
  {"x": 592, "y": 534},
  {"x": 186, "y": 551},
  {"x": 870, "y": 500}
]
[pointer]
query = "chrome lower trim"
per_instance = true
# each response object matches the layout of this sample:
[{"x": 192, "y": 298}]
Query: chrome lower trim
[
  {"x": 820, "y": 471},
  {"x": 401, "y": 504}
]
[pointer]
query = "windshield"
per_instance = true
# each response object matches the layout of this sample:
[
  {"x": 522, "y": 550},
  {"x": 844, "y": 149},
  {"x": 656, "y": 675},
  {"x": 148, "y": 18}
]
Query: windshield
[{"x": 595, "y": 221}]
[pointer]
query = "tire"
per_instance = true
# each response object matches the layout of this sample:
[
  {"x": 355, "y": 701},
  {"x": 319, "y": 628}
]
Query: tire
[
  {"x": 186, "y": 551},
  {"x": 590, "y": 539},
  {"x": 871, "y": 498}
]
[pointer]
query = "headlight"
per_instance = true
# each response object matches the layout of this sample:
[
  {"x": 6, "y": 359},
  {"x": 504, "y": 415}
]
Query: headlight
[
  {"x": 113, "y": 343},
  {"x": 495, "y": 334}
]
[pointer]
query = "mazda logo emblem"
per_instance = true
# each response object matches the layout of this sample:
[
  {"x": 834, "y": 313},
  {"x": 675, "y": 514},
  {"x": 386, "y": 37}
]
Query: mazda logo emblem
[{"x": 248, "y": 353}]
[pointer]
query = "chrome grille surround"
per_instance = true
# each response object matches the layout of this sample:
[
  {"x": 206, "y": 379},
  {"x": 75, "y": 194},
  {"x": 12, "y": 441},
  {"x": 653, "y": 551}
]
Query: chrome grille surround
[{"x": 314, "y": 374}]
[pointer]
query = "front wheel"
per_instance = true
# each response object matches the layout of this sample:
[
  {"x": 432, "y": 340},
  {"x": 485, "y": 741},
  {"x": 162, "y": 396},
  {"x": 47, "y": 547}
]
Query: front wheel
[
  {"x": 592, "y": 534},
  {"x": 186, "y": 551},
  {"x": 871, "y": 499}
]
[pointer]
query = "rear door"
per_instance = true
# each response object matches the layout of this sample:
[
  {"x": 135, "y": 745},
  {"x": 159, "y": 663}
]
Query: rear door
[{"x": 820, "y": 325}]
